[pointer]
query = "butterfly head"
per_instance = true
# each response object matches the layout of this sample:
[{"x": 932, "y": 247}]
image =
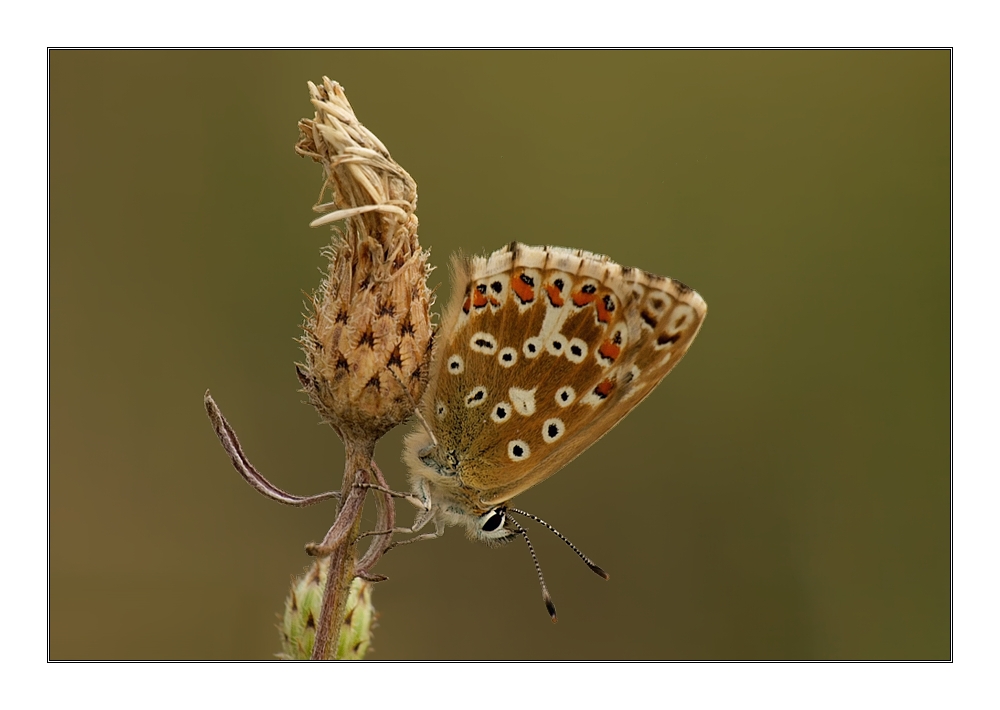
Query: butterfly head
[{"x": 493, "y": 527}]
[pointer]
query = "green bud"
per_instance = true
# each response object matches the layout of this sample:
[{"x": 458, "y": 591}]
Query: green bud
[{"x": 298, "y": 626}]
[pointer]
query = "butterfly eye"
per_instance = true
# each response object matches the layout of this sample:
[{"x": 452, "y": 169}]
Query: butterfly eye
[{"x": 493, "y": 520}]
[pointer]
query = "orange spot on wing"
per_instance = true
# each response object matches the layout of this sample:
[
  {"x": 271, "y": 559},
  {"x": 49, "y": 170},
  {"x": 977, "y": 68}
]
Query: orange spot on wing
[
  {"x": 525, "y": 292},
  {"x": 555, "y": 297},
  {"x": 581, "y": 299},
  {"x": 609, "y": 350},
  {"x": 604, "y": 389},
  {"x": 478, "y": 299},
  {"x": 494, "y": 301}
]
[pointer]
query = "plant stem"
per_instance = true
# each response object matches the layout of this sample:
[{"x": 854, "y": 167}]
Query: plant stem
[{"x": 342, "y": 556}]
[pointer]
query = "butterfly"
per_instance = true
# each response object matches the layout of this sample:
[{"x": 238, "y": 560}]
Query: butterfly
[{"x": 540, "y": 352}]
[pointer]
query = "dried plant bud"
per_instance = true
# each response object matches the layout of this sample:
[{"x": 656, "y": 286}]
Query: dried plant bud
[
  {"x": 302, "y": 608},
  {"x": 368, "y": 339}
]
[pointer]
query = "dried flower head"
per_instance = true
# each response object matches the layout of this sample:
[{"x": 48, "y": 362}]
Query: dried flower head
[{"x": 368, "y": 338}]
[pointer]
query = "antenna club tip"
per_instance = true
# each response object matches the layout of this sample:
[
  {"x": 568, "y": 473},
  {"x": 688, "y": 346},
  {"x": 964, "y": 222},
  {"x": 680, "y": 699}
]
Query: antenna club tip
[
  {"x": 600, "y": 572},
  {"x": 551, "y": 607}
]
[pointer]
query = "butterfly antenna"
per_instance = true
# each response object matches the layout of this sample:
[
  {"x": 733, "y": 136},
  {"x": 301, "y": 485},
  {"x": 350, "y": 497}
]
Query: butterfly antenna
[
  {"x": 416, "y": 410},
  {"x": 574, "y": 548},
  {"x": 546, "y": 597},
  {"x": 427, "y": 427}
]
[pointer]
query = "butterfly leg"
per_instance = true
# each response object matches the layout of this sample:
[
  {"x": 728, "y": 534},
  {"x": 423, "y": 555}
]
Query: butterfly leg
[
  {"x": 395, "y": 494},
  {"x": 424, "y": 515},
  {"x": 438, "y": 532},
  {"x": 417, "y": 526},
  {"x": 419, "y": 498}
]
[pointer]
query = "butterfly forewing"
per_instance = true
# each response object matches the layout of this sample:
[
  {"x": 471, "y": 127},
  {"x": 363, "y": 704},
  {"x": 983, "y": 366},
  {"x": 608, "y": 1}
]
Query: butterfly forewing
[{"x": 541, "y": 352}]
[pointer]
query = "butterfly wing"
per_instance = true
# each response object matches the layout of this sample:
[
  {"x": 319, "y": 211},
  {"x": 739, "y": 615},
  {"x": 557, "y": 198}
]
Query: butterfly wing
[{"x": 541, "y": 352}]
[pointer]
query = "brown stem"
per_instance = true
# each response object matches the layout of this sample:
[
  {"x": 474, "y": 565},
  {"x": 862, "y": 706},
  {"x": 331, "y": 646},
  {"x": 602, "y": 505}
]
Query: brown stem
[
  {"x": 342, "y": 562},
  {"x": 385, "y": 523},
  {"x": 250, "y": 474}
]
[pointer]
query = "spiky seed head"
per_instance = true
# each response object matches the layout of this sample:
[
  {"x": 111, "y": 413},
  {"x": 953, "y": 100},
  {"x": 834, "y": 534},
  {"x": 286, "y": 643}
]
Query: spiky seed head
[{"x": 367, "y": 339}]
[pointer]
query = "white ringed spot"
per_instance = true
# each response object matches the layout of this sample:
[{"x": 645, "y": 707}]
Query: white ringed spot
[
  {"x": 576, "y": 350},
  {"x": 501, "y": 412},
  {"x": 456, "y": 365},
  {"x": 532, "y": 347},
  {"x": 440, "y": 410},
  {"x": 658, "y": 303},
  {"x": 552, "y": 429},
  {"x": 565, "y": 396},
  {"x": 475, "y": 397},
  {"x": 557, "y": 344},
  {"x": 484, "y": 343},
  {"x": 518, "y": 450},
  {"x": 507, "y": 357},
  {"x": 680, "y": 318},
  {"x": 523, "y": 401}
]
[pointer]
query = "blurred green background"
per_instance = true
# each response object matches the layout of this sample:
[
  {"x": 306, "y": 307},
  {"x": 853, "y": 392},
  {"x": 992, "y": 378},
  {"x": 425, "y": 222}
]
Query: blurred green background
[{"x": 787, "y": 488}]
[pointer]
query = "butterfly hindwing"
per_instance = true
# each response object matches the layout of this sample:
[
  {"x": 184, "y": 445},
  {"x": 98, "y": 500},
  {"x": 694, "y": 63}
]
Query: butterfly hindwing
[{"x": 542, "y": 350}]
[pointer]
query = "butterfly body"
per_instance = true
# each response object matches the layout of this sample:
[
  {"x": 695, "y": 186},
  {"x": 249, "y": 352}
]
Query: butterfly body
[{"x": 540, "y": 352}]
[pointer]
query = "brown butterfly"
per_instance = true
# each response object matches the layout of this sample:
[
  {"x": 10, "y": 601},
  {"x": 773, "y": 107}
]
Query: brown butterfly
[{"x": 541, "y": 351}]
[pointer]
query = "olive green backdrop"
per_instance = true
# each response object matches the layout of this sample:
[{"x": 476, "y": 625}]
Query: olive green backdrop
[{"x": 785, "y": 493}]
